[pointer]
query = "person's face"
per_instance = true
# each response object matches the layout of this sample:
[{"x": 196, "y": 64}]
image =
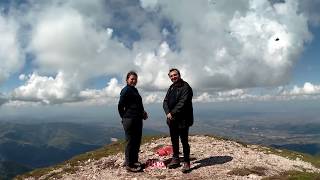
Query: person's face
[
  {"x": 174, "y": 76},
  {"x": 132, "y": 80}
]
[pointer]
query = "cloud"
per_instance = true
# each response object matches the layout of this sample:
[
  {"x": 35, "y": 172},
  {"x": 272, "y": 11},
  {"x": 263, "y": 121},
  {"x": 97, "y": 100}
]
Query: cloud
[
  {"x": 223, "y": 46},
  {"x": 148, "y": 4},
  {"x": 153, "y": 68},
  {"x": 46, "y": 89},
  {"x": 307, "y": 89},
  {"x": 223, "y": 49},
  {"x": 11, "y": 55},
  {"x": 108, "y": 94},
  {"x": 3, "y": 99},
  {"x": 310, "y": 9},
  {"x": 225, "y": 96},
  {"x": 306, "y": 92},
  {"x": 65, "y": 40}
]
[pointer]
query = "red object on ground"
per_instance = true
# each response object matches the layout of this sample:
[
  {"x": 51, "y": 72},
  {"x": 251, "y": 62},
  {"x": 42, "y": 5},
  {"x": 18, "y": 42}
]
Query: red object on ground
[
  {"x": 165, "y": 151},
  {"x": 155, "y": 164}
]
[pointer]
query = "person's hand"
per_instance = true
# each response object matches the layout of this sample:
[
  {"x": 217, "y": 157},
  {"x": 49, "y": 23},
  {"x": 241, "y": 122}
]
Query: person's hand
[
  {"x": 169, "y": 116},
  {"x": 145, "y": 115}
]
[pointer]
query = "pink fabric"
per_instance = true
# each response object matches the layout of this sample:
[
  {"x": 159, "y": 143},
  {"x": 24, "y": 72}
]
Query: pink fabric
[
  {"x": 155, "y": 163},
  {"x": 165, "y": 151}
]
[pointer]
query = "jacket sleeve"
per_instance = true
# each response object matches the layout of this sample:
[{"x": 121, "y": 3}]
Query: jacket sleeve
[
  {"x": 121, "y": 104},
  {"x": 186, "y": 94},
  {"x": 165, "y": 103}
]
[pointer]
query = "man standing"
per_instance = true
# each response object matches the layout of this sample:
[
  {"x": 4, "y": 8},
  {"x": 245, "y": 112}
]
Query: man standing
[{"x": 178, "y": 108}]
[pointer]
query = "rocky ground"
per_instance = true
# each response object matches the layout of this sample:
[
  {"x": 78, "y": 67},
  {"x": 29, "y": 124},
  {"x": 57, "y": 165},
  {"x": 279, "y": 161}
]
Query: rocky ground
[{"x": 211, "y": 159}]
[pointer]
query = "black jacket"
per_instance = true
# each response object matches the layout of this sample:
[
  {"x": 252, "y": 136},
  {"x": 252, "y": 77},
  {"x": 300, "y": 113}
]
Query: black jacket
[
  {"x": 130, "y": 103},
  {"x": 178, "y": 102}
]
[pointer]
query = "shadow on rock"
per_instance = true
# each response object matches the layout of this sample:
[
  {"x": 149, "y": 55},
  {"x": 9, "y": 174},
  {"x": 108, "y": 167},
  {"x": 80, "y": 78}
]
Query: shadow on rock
[{"x": 210, "y": 161}]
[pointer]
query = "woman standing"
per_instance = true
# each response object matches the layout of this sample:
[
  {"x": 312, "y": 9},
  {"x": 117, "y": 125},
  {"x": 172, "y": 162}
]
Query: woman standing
[{"x": 131, "y": 111}]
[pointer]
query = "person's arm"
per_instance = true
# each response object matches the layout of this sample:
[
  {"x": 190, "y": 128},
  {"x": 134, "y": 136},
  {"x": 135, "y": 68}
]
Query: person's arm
[
  {"x": 121, "y": 104},
  {"x": 165, "y": 104},
  {"x": 186, "y": 94}
]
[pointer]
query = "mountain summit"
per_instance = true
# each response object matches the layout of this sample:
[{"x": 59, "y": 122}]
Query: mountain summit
[{"x": 212, "y": 158}]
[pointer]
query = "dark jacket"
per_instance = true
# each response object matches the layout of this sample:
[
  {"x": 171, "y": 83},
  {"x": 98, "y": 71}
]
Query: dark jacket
[
  {"x": 130, "y": 103},
  {"x": 178, "y": 102}
]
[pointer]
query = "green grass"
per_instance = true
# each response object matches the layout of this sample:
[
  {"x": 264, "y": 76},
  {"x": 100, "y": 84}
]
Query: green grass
[
  {"x": 70, "y": 166},
  {"x": 295, "y": 175}
]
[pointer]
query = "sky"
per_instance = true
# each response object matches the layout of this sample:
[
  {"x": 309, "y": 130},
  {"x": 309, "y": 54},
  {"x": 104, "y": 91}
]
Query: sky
[{"x": 76, "y": 52}]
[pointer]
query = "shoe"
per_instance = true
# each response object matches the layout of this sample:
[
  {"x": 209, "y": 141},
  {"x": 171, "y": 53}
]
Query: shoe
[
  {"x": 186, "y": 167},
  {"x": 138, "y": 164},
  {"x": 174, "y": 163},
  {"x": 133, "y": 168}
]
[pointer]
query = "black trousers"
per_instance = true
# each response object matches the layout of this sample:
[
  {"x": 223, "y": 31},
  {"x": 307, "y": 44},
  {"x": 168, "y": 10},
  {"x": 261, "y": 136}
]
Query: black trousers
[
  {"x": 133, "y": 133},
  {"x": 183, "y": 133}
]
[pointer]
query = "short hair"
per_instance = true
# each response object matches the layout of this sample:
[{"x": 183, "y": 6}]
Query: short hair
[
  {"x": 174, "y": 69},
  {"x": 131, "y": 73}
]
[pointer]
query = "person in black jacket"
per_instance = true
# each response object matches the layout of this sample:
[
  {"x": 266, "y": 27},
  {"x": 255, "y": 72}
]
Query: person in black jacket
[
  {"x": 179, "y": 112},
  {"x": 132, "y": 112}
]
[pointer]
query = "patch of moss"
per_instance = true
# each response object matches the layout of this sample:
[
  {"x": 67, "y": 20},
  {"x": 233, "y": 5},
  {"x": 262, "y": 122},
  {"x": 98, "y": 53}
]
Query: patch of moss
[{"x": 295, "y": 175}]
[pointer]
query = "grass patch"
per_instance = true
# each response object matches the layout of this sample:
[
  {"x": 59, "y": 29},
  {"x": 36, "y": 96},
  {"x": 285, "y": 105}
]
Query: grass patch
[
  {"x": 71, "y": 165},
  {"x": 295, "y": 175},
  {"x": 246, "y": 171}
]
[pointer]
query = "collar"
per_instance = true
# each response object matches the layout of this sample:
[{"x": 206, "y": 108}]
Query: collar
[{"x": 179, "y": 83}]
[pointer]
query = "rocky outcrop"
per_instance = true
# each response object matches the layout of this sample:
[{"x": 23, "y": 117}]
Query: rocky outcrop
[{"x": 212, "y": 158}]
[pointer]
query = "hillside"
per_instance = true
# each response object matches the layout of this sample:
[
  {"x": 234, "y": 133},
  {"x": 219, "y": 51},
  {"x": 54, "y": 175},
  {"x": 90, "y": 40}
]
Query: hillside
[
  {"x": 45, "y": 144},
  {"x": 8, "y": 169},
  {"x": 212, "y": 158}
]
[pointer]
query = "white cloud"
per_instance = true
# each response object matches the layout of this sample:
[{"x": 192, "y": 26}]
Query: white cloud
[
  {"x": 155, "y": 97},
  {"x": 153, "y": 68},
  {"x": 3, "y": 99},
  {"x": 310, "y": 9},
  {"x": 45, "y": 89},
  {"x": 148, "y": 4},
  {"x": 307, "y": 89},
  {"x": 22, "y": 77},
  {"x": 223, "y": 49},
  {"x": 224, "y": 96},
  {"x": 225, "y": 46},
  {"x": 112, "y": 90},
  {"x": 11, "y": 55},
  {"x": 65, "y": 40}
]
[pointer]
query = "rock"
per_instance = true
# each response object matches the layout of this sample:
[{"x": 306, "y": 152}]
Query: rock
[{"x": 211, "y": 159}]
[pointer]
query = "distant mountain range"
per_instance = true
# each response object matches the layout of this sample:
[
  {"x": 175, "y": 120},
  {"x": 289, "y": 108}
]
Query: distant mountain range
[
  {"x": 27, "y": 146},
  {"x": 313, "y": 149}
]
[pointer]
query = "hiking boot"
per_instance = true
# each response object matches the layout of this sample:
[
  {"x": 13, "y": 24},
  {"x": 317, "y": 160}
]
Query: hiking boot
[
  {"x": 138, "y": 164},
  {"x": 133, "y": 168},
  {"x": 174, "y": 163},
  {"x": 186, "y": 167}
]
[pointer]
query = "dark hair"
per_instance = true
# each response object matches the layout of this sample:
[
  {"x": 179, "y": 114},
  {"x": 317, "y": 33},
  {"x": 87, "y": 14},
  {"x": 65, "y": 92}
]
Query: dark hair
[
  {"x": 131, "y": 73},
  {"x": 174, "y": 69}
]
